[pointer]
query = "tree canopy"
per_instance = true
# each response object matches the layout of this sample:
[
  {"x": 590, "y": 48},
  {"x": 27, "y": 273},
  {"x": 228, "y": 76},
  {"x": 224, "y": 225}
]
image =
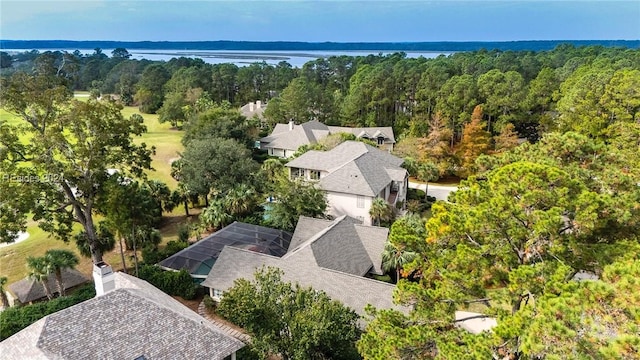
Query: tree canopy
[
  {"x": 68, "y": 147},
  {"x": 289, "y": 320}
]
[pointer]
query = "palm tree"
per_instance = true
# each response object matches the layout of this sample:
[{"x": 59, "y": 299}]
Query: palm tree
[
  {"x": 3, "y": 294},
  {"x": 380, "y": 211},
  {"x": 427, "y": 172},
  {"x": 215, "y": 215},
  {"x": 240, "y": 200},
  {"x": 58, "y": 260},
  {"x": 395, "y": 257},
  {"x": 39, "y": 271}
]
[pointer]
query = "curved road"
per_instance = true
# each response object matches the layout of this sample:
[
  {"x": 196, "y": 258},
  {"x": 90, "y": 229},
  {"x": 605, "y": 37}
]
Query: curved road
[{"x": 440, "y": 192}]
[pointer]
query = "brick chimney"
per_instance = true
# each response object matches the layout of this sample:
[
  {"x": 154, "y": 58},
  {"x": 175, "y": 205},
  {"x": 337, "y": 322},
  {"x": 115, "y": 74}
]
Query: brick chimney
[{"x": 104, "y": 278}]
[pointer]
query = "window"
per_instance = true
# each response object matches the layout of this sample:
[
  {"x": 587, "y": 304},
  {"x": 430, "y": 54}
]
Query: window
[
  {"x": 296, "y": 173},
  {"x": 314, "y": 174},
  {"x": 380, "y": 140},
  {"x": 360, "y": 201},
  {"x": 217, "y": 294}
]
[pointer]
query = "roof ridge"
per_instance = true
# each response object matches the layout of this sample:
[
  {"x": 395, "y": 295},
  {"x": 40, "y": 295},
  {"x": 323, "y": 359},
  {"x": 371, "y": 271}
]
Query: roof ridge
[
  {"x": 315, "y": 237},
  {"x": 233, "y": 248},
  {"x": 358, "y": 277}
]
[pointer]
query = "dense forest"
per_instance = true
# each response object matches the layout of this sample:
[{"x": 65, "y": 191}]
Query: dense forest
[
  {"x": 428, "y": 102},
  {"x": 547, "y": 142}
]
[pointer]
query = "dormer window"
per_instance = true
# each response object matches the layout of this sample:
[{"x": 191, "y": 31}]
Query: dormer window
[{"x": 380, "y": 140}]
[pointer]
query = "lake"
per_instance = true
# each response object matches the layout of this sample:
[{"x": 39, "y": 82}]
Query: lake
[{"x": 243, "y": 58}]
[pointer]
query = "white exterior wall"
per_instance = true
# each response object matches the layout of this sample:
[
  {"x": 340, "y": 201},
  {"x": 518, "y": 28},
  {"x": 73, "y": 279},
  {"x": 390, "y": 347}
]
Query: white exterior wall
[
  {"x": 282, "y": 153},
  {"x": 341, "y": 204}
]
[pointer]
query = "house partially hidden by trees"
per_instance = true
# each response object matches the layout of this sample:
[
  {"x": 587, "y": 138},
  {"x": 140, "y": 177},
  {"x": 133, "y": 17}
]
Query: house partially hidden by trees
[
  {"x": 29, "y": 290},
  {"x": 128, "y": 319},
  {"x": 253, "y": 110},
  {"x": 330, "y": 256},
  {"x": 285, "y": 139},
  {"x": 200, "y": 257},
  {"x": 353, "y": 174}
]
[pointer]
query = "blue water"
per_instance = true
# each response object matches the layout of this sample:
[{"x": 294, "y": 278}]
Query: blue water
[{"x": 244, "y": 58}]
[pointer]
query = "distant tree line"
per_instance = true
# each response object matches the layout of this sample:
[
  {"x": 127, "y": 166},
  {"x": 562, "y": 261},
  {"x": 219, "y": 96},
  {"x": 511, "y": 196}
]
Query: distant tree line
[{"x": 428, "y": 102}]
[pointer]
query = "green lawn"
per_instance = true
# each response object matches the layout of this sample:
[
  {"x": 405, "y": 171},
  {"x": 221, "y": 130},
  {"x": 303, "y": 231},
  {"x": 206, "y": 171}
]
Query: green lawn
[{"x": 167, "y": 144}]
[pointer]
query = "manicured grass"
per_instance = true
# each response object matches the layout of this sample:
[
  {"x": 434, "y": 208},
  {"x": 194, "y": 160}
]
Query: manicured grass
[
  {"x": 166, "y": 141},
  {"x": 167, "y": 144}
]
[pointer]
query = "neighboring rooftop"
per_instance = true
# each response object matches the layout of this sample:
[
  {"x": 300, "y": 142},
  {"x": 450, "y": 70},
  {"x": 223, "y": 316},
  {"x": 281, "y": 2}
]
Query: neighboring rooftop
[
  {"x": 28, "y": 290},
  {"x": 134, "y": 320},
  {"x": 200, "y": 257},
  {"x": 330, "y": 260},
  {"x": 354, "y": 167},
  {"x": 253, "y": 109},
  {"x": 291, "y": 136}
]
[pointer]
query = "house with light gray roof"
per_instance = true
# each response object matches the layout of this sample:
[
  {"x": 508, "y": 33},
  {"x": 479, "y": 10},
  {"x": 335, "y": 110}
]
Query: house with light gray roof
[
  {"x": 285, "y": 139},
  {"x": 329, "y": 256},
  {"x": 352, "y": 175},
  {"x": 128, "y": 319}
]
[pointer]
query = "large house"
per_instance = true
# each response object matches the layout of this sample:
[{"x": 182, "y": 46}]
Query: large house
[
  {"x": 285, "y": 139},
  {"x": 330, "y": 256},
  {"x": 128, "y": 319},
  {"x": 353, "y": 174}
]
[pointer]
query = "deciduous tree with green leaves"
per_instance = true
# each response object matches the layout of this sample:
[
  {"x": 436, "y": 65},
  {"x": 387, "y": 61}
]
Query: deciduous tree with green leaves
[
  {"x": 69, "y": 146},
  {"x": 289, "y": 320}
]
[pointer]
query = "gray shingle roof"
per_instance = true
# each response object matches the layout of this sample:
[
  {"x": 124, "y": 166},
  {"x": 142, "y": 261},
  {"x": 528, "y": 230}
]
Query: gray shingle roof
[
  {"x": 306, "y": 228},
  {"x": 284, "y": 138},
  {"x": 313, "y": 131},
  {"x": 28, "y": 290},
  {"x": 354, "y": 168},
  {"x": 373, "y": 239},
  {"x": 353, "y": 291},
  {"x": 371, "y": 132},
  {"x": 135, "y": 319},
  {"x": 333, "y": 259}
]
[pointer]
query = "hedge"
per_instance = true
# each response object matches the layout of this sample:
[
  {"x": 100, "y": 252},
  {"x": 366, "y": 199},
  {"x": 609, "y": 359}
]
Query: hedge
[
  {"x": 177, "y": 283},
  {"x": 15, "y": 319}
]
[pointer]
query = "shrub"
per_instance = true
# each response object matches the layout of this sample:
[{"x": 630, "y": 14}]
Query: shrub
[
  {"x": 210, "y": 304},
  {"x": 152, "y": 256},
  {"x": 183, "y": 233},
  {"x": 178, "y": 283},
  {"x": 15, "y": 319}
]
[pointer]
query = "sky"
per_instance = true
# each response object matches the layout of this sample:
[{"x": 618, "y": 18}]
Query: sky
[{"x": 319, "y": 21}]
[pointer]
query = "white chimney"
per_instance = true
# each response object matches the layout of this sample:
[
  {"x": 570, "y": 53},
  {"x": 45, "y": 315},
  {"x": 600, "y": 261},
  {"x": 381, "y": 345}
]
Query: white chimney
[
  {"x": 291, "y": 123},
  {"x": 104, "y": 278},
  {"x": 258, "y": 104},
  {"x": 251, "y": 106}
]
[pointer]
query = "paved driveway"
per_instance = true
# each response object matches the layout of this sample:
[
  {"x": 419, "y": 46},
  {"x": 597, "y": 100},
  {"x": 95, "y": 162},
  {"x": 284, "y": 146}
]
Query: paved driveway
[{"x": 440, "y": 192}]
